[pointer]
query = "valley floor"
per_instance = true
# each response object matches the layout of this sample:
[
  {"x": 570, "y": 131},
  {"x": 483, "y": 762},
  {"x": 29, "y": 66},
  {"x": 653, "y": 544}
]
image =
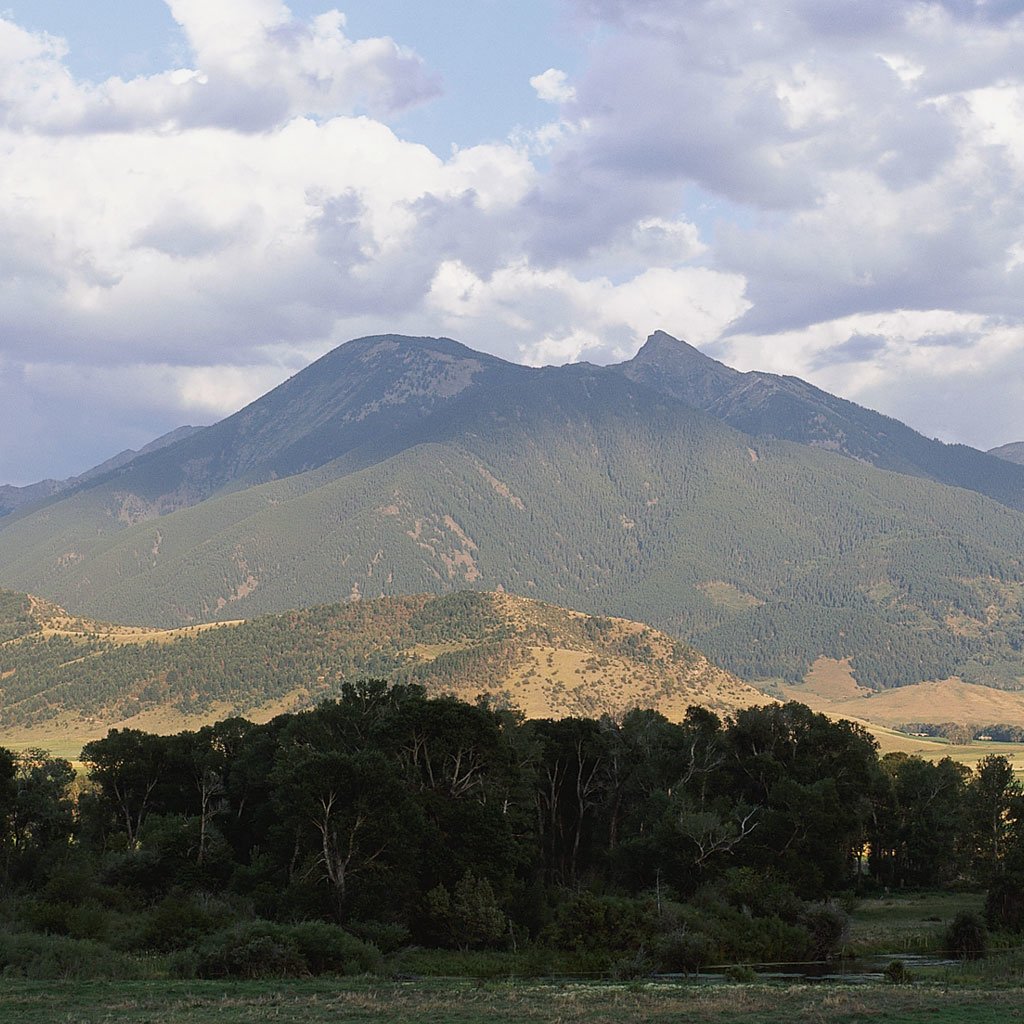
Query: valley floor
[{"x": 441, "y": 1002}]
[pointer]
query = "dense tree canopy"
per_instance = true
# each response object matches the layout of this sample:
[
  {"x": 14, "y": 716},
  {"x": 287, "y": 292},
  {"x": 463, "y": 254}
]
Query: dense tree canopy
[{"x": 389, "y": 813}]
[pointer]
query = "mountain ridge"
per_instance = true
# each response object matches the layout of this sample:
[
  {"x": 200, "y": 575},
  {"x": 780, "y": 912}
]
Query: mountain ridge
[
  {"x": 13, "y": 497},
  {"x": 1013, "y": 451},
  {"x": 789, "y": 408},
  {"x": 435, "y": 468}
]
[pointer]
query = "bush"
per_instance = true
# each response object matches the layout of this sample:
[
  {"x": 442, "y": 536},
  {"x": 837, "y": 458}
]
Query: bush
[
  {"x": 1004, "y": 904},
  {"x": 735, "y": 936},
  {"x": 469, "y": 918},
  {"x": 261, "y": 949},
  {"x": 682, "y": 950},
  {"x": 385, "y": 936},
  {"x": 584, "y": 921},
  {"x": 829, "y": 926},
  {"x": 759, "y": 894},
  {"x": 256, "y": 949},
  {"x": 628, "y": 968},
  {"x": 741, "y": 973},
  {"x": 897, "y": 974},
  {"x": 179, "y": 921},
  {"x": 329, "y": 949},
  {"x": 966, "y": 937},
  {"x": 46, "y": 957}
]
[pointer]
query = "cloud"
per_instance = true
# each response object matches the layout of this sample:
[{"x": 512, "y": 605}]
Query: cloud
[
  {"x": 256, "y": 66},
  {"x": 552, "y": 86},
  {"x": 595, "y": 316},
  {"x": 858, "y": 348},
  {"x": 876, "y": 146},
  {"x": 829, "y": 188}
]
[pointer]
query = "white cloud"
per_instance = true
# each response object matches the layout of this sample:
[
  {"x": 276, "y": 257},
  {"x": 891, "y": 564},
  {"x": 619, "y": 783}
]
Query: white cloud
[
  {"x": 608, "y": 321},
  {"x": 552, "y": 86},
  {"x": 256, "y": 67},
  {"x": 837, "y": 184}
]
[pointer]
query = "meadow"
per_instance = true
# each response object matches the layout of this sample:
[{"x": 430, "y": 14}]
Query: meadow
[{"x": 464, "y": 1002}]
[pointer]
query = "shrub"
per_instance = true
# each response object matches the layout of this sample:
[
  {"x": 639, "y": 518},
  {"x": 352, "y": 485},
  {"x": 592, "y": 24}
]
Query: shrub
[
  {"x": 897, "y": 974},
  {"x": 682, "y": 950},
  {"x": 179, "y": 921},
  {"x": 759, "y": 894},
  {"x": 329, "y": 949},
  {"x": 256, "y": 949},
  {"x": 585, "y": 921},
  {"x": 261, "y": 949},
  {"x": 469, "y": 918},
  {"x": 385, "y": 936},
  {"x": 48, "y": 957},
  {"x": 966, "y": 937},
  {"x": 829, "y": 926},
  {"x": 741, "y": 973},
  {"x": 1004, "y": 904},
  {"x": 635, "y": 965}
]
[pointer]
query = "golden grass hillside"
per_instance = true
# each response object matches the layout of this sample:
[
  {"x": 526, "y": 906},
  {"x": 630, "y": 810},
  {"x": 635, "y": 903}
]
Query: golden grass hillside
[{"x": 66, "y": 680}]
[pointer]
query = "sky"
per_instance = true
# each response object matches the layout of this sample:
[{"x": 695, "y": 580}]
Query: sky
[{"x": 199, "y": 197}]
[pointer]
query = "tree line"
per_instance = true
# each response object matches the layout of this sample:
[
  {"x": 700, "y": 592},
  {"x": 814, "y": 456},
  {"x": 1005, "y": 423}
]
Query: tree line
[{"x": 386, "y": 818}]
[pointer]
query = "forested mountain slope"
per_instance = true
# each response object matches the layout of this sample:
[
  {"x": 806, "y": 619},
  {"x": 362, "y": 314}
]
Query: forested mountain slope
[
  {"x": 364, "y": 400},
  {"x": 766, "y": 404},
  {"x": 575, "y": 485},
  {"x": 61, "y": 673},
  {"x": 12, "y": 498}
]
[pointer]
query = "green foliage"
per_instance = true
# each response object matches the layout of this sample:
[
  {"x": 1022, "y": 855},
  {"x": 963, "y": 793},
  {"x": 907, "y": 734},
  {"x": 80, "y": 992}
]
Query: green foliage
[
  {"x": 308, "y": 844},
  {"x": 469, "y": 918},
  {"x": 261, "y": 949},
  {"x": 254, "y": 949},
  {"x": 1004, "y": 903},
  {"x": 55, "y": 957},
  {"x": 829, "y": 926},
  {"x": 586, "y": 921},
  {"x": 328, "y": 949},
  {"x": 15, "y": 616},
  {"x": 897, "y": 973},
  {"x": 966, "y": 937},
  {"x": 316, "y": 651},
  {"x": 741, "y": 974}
]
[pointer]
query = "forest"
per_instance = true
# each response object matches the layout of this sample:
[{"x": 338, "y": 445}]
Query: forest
[{"x": 330, "y": 840}]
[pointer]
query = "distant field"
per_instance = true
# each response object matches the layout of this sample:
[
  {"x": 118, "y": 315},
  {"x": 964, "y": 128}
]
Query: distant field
[
  {"x": 907, "y": 923},
  {"x": 418, "y": 1002}
]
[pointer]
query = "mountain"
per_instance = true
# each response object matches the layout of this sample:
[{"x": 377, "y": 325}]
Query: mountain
[
  {"x": 769, "y": 405},
  {"x": 12, "y": 497},
  {"x": 65, "y": 677},
  {"x": 396, "y": 466},
  {"x": 1012, "y": 452}
]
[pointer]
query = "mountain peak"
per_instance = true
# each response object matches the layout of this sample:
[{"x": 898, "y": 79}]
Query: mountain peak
[{"x": 677, "y": 367}]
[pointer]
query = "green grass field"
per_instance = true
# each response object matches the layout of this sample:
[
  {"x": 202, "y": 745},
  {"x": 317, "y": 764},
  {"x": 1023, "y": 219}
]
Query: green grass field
[
  {"x": 907, "y": 924},
  {"x": 419, "y": 1002}
]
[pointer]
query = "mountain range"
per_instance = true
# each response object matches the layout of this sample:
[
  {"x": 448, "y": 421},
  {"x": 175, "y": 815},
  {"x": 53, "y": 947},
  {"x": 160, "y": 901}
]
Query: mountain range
[{"x": 763, "y": 520}]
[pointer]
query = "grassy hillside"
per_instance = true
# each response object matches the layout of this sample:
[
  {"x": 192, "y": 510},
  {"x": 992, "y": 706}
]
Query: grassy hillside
[
  {"x": 72, "y": 678},
  {"x": 573, "y": 485}
]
